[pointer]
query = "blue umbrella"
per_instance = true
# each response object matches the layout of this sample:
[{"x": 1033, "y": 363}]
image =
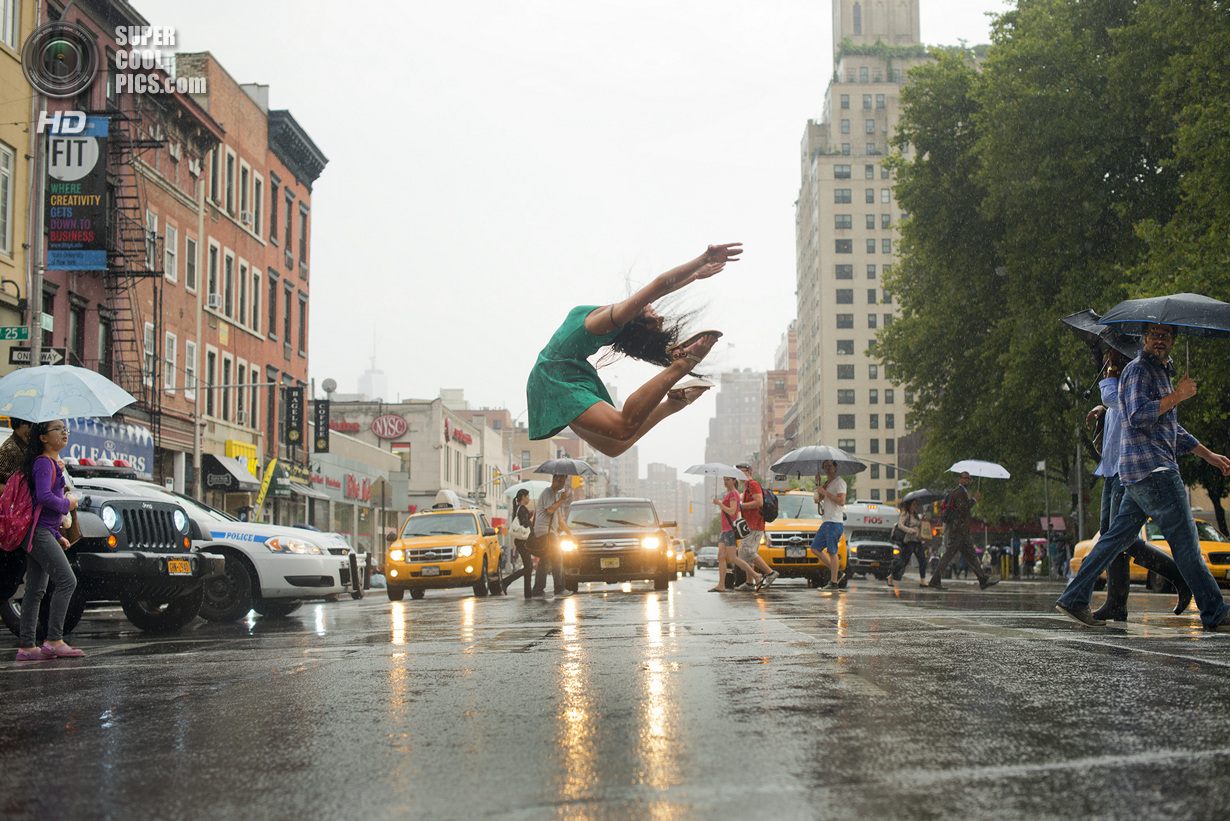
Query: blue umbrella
[
  {"x": 1193, "y": 314},
  {"x": 48, "y": 392}
]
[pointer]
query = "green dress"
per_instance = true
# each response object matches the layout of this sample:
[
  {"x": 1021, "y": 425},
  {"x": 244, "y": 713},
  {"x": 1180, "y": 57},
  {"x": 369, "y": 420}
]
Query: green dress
[{"x": 563, "y": 384}]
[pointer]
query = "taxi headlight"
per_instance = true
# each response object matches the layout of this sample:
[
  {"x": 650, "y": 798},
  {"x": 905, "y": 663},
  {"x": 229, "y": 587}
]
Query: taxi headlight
[
  {"x": 567, "y": 545},
  {"x": 465, "y": 551},
  {"x": 292, "y": 544},
  {"x": 111, "y": 518},
  {"x": 651, "y": 542},
  {"x": 397, "y": 555},
  {"x": 670, "y": 554}
]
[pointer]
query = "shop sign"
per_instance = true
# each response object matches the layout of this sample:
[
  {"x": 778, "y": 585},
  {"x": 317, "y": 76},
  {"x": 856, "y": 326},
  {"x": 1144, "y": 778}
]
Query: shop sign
[
  {"x": 356, "y": 488},
  {"x": 344, "y": 427},
  {"x": 456, "y": 435},
  {"x": 299, "y": 474},
  {"x": 389, "y": 426}
]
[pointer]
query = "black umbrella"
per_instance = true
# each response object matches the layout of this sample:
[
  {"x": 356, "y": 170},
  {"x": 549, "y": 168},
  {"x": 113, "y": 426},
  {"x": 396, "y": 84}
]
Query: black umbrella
[
  {"x": 565, "y": 467},
  {"x": 808, "y": 460},
  {"x": 1191, "y": 313},
  {"x": 1100, "y": 337},
  {"x": 923, "y": 496}
]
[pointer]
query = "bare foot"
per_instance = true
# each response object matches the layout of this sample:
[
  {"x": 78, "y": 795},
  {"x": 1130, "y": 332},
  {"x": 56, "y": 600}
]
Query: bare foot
[{"x": 686, "y": 395}]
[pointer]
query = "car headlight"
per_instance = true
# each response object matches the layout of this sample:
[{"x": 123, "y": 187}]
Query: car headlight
[
  {"x": 651, "y": 542},
  {"x": 670, "y": 554},
  {"x": 111, "y": 518},
  {"x": 567, "y": 545},
  {"x": 291, "y": 544},
  {"x": 181, "y": 521},
  {"x": 465, "y": 550},
  {"x": 397, "y": 555}
]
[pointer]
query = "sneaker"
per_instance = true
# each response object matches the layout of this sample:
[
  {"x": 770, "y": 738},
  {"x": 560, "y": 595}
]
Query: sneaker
[
  {"x": 61, "y": 651},
  {"x": 1083, "y": 616},
  {"x": 746, "y": 587},
  {"x": 31, "y": 654},
  {"x": 990, "y": 582},
  {"x": 832, "y": 586},
  {"x": 769, "y": 579},
  {"x": 563, "y": 594}
]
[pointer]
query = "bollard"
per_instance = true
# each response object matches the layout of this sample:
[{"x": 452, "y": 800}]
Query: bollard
[{"x": 1004, "y": 566}]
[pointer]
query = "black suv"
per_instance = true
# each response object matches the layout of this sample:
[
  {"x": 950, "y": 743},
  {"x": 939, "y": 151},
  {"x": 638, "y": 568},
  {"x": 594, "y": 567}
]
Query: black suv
[
  {"x": 617, "y": 540},
  {"x": 134, "y": 550}
]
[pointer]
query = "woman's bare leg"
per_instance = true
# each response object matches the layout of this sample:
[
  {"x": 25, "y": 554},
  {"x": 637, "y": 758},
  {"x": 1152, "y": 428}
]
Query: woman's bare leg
[{"x": 610, "y": 446}]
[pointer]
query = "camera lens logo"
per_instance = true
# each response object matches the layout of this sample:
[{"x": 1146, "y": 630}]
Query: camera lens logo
[{"x": 59, "y": 60}]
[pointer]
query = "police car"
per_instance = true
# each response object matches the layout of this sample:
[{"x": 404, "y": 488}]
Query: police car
[{"x": 269, "y": 569}]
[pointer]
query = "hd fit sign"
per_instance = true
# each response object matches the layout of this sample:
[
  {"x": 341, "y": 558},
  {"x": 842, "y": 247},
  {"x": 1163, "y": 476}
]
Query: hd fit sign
[{"x": 76, "y": 216}]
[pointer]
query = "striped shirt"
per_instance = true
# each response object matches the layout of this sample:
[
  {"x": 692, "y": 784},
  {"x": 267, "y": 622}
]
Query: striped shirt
[{"x": 1151, "y": 440}]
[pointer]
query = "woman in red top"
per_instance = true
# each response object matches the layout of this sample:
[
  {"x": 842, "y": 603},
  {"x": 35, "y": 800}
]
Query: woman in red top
[{"x": 729, "y": 505}]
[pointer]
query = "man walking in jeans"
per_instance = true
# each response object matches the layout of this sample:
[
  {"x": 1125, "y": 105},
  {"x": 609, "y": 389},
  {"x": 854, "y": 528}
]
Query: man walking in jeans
[
  {"x": 1151, "y": 442},
  {"x": 957, "y": 538}
]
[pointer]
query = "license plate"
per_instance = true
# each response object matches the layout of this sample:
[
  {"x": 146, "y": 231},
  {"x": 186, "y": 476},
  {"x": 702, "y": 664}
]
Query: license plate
[
  {"x": 431, "y": 570},
  {"x": 179, "y": 567},
  {"x": 874, "y": 564},
  {"x": 609, "y": 564},
  {"x": 796, "y": 552}
]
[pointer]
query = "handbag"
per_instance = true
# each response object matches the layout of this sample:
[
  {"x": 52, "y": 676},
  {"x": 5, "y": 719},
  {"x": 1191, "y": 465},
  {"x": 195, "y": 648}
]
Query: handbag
[
  {"x": 742, "y": 528},
  {"x": 899, "y": 535},
  {"x": 518, "y": 531},
  {"x": 72, "y": 531}
]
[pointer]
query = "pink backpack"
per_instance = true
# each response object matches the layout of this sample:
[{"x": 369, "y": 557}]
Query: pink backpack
[{"x": 17, "y": 513}]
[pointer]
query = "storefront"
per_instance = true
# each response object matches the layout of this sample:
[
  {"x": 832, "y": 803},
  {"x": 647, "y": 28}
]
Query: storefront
[
  {"x": 354, "y": 478},
  {"x": 110, "y": 440},
  {"x": 226, "y": 482}
]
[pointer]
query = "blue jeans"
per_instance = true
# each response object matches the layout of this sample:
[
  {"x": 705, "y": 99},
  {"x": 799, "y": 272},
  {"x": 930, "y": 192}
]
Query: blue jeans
[
  {"x": 46, "y": 560},
  {"x": 1162, "y": 497},
  {"x": 827, "y": 538}
]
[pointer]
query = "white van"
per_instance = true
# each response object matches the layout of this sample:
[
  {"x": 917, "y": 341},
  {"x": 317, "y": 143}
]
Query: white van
[{"x": 869, "y": 525}]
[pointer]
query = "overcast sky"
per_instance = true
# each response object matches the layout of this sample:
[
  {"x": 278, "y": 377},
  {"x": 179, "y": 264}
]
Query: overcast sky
[{"x": 494, "y": 163}]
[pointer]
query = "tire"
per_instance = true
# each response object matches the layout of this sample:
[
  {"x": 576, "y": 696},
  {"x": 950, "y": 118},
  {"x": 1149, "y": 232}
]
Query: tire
[
  {"x": 417, "y": 592},
  {"x": 356, "y": 583},
  {"x": 164, "y": 616},
  {"x": 10, "y": 613},
  {"x": 277, "y": 608},
  {"x": 1160, "y": 584},
  {"x": 480, "y": 586},
  {"x": 229, "y": 596},
  {"x": 663, "y": 580},
  {"x": 395, "y": 593}
]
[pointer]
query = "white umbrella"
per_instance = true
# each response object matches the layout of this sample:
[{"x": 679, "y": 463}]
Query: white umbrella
[
  {"x": 48, "y": 392},
  {"x": 565, "y": 466},
  {"x": 977, "y": 467},
  {"x": 534, "y": 486},
  {"x": 808, "y": 460},
  {"x": 715, "y": 469}
]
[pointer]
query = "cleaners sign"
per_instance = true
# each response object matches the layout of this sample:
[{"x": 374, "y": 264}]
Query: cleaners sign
[{"x": 76, "y": 216}]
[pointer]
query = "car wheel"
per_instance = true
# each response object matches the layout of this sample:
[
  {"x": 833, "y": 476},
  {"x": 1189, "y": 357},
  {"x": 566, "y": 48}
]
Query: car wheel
[
  {"x": 1160, "y": 584},
  {"x": 663, "y": 580},
  {"x": 395, "y": 593},
  {"x": 480, "y": 586},
  {"x": 230, "y": 595},
  {"x": 356, "y": 583},
  {"x": 417, "y": 592},
  {"x": 160, "y": 615},
  {"x": 276, "y": 608}
]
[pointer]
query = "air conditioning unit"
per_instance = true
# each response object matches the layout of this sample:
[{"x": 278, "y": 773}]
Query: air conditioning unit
[
  {"x": 245, "y": 217},
  {"x": 241, "y": 418},
  {"x": 215, "y": 301}
]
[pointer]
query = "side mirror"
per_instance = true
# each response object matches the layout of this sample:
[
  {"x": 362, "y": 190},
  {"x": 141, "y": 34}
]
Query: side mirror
[
  {"x": 488, "y": 531},
  {"x": 390, "y": 536}
]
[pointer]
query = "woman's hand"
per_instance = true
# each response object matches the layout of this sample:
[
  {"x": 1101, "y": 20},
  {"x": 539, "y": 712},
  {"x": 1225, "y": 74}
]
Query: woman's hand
[
  {"x": 715, "y": 258},
  {"x": 72, "y": 502},
  {"x": 64, "y": 542}
]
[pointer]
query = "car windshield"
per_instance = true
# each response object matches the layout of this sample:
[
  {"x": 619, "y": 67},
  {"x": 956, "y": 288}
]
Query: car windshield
[
  {"x": 1206, "y": 532},
  {"x": 641, "y": 515},
  {"x": 440, "y": 524},
  {"x": 791, "y": 506},
  {"x": 708, "y": 551}
]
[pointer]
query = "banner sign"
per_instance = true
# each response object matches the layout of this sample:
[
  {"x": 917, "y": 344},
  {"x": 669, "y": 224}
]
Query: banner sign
[
  {"x": 294, "y": 416},
  {"x": 76, "y": 213},
  {"x": 322, "y": 426}
]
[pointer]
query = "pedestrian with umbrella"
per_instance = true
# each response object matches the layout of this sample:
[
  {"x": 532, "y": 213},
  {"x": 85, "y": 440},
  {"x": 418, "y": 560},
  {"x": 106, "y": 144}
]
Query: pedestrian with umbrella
[
  {"x": 828, "y": 464},
  {"x": 911, "y": 524},
  {"x": 551, "y": 521},
  {"x": 957, "y": 518},
  {"x": 1150, "y": 444}
]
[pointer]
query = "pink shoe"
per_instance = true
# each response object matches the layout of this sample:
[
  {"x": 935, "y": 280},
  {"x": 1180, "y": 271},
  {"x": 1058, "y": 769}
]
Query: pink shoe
[
  {"x": 61, "y": 651},
  {"x": 31, "y": 654}
]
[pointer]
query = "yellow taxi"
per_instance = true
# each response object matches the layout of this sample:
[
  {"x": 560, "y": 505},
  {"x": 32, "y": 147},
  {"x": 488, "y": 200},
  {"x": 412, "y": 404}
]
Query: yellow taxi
[
  {"x": 685, "y": 557},
  {"x": 447, "y": 546},
  {"x": 787, "y": 538},
  {"x": 1213, "y": 546}
]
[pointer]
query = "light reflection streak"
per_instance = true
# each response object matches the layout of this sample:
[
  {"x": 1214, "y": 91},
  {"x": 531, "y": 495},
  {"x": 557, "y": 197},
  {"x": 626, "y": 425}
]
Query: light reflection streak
[
  {"x": 321, "y": 621},
  {"x": 397, "y": 620},
  {"x": 577, "y": 714},
  {"x": 653, "y": 746},
  {"x": 467, "y": 619}
]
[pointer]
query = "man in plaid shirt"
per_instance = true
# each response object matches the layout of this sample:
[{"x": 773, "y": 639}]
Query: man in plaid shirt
[{"x": 1151, "y": 442}]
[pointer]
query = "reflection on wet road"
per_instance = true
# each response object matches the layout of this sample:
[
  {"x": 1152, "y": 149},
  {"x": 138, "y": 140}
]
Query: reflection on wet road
[{"x": 621, "y": 702}]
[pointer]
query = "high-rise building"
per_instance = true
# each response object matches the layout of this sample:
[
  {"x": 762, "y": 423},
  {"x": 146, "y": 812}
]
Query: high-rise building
[
  {"x": 736, "y": 428},
  {"x": 846, "y": 241},
  {"x": 781, "y": 392},
  {"x": 661, "y": 486}
]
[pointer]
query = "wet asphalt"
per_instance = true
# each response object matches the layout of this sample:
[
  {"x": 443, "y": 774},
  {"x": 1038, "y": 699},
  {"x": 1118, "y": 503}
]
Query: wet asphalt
[{"x": 623, "y": 703}]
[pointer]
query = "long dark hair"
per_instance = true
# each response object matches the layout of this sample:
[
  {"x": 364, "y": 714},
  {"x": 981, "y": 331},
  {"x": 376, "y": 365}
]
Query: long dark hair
[
  {"x": 642, "y": 339},
  {"x": 34, "y": 449}
]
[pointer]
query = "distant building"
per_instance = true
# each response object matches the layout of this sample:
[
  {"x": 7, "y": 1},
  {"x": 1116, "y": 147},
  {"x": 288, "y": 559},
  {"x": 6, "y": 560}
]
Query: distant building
[{"x": 781, "y": 392}]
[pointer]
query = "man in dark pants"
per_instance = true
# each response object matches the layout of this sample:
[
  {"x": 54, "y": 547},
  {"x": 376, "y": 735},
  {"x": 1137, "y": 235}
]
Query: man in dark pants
[
  {"x": 550, "y": 520},
  {"x": 12, "y": 454},
  {"x": 958, "y": 539}
]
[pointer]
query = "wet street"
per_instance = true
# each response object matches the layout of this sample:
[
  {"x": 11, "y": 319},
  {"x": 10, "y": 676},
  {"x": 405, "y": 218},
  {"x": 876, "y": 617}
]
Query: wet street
[{"x": 623, "y": 703}]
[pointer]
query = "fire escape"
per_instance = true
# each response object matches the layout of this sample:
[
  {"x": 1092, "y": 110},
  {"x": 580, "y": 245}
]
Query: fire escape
[{"x": 134, "y": 255}]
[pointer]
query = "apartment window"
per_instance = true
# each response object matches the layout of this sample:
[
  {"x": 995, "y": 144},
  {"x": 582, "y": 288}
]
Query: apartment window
[
  {"x": 256, "y": 301},
  {"x": 858, "y": 24},
  {"x": 873, "y": 421},
  {"x": 190, "y": 371},
  {"x": 244, "y": 178},
  {"x": 228, "y": 285},
  {"x": 169, "y": 364},
  {"x": 76, "y": 331},
  {"x": 845, "y": 371},
  {"x": 884, "y": 173},
  {"x": 871, "y": 321},
  {"x": 873, "y": 471},
  {"x": 845, "y": 101},
  {"x": 151, "y": 241},
  {"x": 879, "y": 101},
  {"x": 888, "y": 269},
  {"x": 845, "y": 246},
  {"x": 273, "y": 210},
  {"x": 104, "y": 345},
  {"x": 243, "y": 293},
  {"x": 874, "y": 446},
  {"x": 286, "y": 232},
  {"x": 845, "y": 320},
  {"x": 886, "y": 220},
  {"x": 190, "y": 263},
  {"x": 845, "y": 272},
  {"x": 287, "y": 315},
  {"x": 215, "y": 174},
  {"x": 845, "y": 421},
  {"x": 869, "y": 195},
  {"x": 302, "y": 322},
  {"x": 886, "y": 195},
  {"x": 866, "y": 101},
  {"x": 869, "y": 172},
  {"x": 864, "y": 75},
  {"x": 170, "y": 245},
  {"x": 6, "y": 173},
  {"x": 149, "y": 362},
  {"x": 888, "y": 320},
  {"x": 10, "y": 21},
  {"x": 871, "y": 348},
  {"x": 871, "y": 271},
  {"x": 873, "y": 371},
  {"x": 841, "y": 195},
  {"x": 258, "y": 197},
  {"x": 255, "y": 403},
  {"x": 871, "y": 149},
  {"x": 888, "y": 396},
  {"x": 870, "y": 221},
  {"x": 845, "y": 347},
  {"x": 845, "y": 126},
  {"x": 889, "y": 421},
  {"x": 871, "y": 296},
  {"x": 845, "y": 149},
  {"x": 890, "y": 446},
  {"x": 888, "y": 298},
  {"x": 226, "y": 388},
  {"x": 841, "y": 172},
  {"x": 845, "y": 396},
  {"x": 846, "y": 444},
  {"x": 845, "y": 296},
  {"x": 230, "y": 183},
  {"x": 871, "y": 246},
  {"x": 869, "y": 126},
  {"x": 843, "y": 221},
  {"x": 303, "y": 235},
  {"x": 213, "y": 270},
  {"x": 241, "y": 376},
  {"x": 273, "y": 304}
]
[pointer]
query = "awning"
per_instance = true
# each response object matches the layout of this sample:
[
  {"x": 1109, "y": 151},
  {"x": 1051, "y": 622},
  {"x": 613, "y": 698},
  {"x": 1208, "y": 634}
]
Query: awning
[
  {"x": 310, "y": 492},
  {"x": 111, "y": 439},
  {"x": 227, "y": 474}
]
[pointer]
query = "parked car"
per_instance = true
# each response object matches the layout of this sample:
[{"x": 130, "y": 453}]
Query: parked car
[
  {"x": 447, "y": 546},
  {"x": 786, "y": 539},
  {"x": 617, "y": 540},
  {"x": 268, "y": 568},
  {"x": 707, "y": 556},
  {"x": 685, "y": 557},
  {"x": 143, "y": 552},
  {"x": 1213, "y": 546}
]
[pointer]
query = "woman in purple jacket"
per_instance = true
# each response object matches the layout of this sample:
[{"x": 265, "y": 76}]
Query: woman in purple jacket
[{"x": 45, "y": 473}]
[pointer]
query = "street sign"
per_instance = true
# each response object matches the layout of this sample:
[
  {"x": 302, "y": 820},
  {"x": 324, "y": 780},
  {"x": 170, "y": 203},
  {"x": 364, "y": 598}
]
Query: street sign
[
  {"x": 47, "y": 322},
  {"x": 20, "y": 355},
  {"x": 14, "y": 333}
]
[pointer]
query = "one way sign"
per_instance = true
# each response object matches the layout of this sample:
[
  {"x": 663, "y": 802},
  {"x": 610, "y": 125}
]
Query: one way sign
[{"x": 50, "y": 356}]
